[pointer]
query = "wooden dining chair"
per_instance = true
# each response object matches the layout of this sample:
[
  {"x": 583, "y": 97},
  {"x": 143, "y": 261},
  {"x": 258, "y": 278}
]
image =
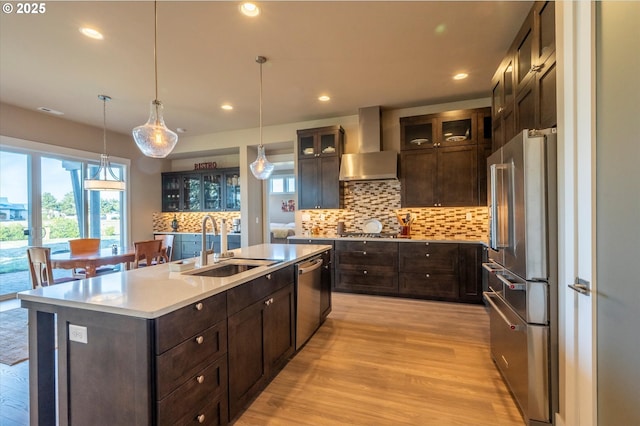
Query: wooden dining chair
[
  {"x": 147, "y": 253},
  {"x": 40, "y": 267},
  {"x": 167, "y": 246},
  {"x": 82, "y": 246}
]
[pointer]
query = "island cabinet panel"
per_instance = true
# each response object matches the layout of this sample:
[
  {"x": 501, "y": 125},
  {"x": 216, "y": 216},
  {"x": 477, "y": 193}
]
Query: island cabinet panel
[
  {"x": 261, "y": 339},
  {"x": 119, "y": 345},
  {"x": 430, "y": 270},
  {"x": 191, "y": 363},
  {"x": 471, "y": 272},
  {"x": 367, "y": 267}
]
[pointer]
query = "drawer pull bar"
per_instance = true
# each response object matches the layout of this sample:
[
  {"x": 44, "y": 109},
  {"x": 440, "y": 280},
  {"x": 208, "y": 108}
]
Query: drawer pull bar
[
  {"x": 512, "y": 326},
  {"x": 199, "y": 306},
  {"x": 199, "y": 340},
  {"x": 510, "y": 284},
  {"x": 200, "y": 379},
  {"x": 200, "y": 418}
]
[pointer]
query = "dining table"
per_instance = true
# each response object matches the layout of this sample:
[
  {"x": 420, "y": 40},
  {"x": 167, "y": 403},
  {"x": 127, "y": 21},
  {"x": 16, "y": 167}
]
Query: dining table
[{"x": 91, "y": 261}]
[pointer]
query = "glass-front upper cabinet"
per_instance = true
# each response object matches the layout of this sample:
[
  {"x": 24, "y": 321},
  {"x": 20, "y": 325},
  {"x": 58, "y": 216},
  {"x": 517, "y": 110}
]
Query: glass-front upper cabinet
[
  {"x": 417, "y": 132},
  {"x": 232, "y": 191},
  {"x": 320, "y": 142},
  {"x": 457, "y": 128},
  {"x": 212, "y": 191},
  {"x": 192, "y": 195},
  {"x": 202, "y": 190}
]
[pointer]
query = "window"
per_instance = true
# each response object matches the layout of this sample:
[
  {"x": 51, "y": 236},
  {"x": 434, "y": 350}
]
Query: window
[
  {"x": 283, "y": 185},
  {"x": 43, "y": 203}
]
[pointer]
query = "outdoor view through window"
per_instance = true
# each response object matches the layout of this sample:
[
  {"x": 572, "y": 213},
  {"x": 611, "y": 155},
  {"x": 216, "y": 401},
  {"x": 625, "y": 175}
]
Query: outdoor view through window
[{"x": 42, "y": 203}]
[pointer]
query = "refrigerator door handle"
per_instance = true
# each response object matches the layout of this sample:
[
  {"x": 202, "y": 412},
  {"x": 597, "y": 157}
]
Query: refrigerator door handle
[
  {"x": 487, "y": 296},
  {"x": 497, "y": 207}
]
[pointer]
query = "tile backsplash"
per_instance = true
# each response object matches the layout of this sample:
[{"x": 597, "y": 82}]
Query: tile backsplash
[
  {"x": 189, "y": 222},
  {"x": 381, "y": 200}
]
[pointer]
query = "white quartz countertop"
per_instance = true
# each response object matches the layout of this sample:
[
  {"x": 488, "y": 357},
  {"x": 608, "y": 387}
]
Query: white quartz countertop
[
  {"x": 416, "y": 239},
  {"x": 151, "y": 292}
]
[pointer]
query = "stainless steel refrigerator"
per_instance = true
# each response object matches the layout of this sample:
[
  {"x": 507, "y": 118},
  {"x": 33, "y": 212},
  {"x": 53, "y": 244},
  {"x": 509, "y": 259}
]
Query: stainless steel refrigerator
[{"x": 522, "y": 270}]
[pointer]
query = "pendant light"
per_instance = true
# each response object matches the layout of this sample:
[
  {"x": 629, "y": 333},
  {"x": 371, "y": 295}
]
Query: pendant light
[
  {"x": 154, "y": 138},
  {"x": 98, "y": 182},
  {"x": 261, "y": 168}
]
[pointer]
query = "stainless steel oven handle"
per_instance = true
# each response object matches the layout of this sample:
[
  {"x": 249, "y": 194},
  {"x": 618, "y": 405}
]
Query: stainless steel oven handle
[
  {"x": 512, "y": 326},
  {"x": 511, "y": 285}
]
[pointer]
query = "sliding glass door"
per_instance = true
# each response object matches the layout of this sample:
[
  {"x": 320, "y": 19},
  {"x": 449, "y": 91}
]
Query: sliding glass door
[
  {"x": 43, "y": 203},
  {"x": 15, "y": 222}
]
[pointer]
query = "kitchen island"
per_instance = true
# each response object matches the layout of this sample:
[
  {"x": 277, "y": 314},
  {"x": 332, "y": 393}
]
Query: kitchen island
[{"x": 160, "y": 346}]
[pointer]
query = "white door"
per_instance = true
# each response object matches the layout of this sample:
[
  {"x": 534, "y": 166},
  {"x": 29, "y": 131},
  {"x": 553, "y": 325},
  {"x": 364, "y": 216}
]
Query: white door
[{"x": 575, "y": 23}]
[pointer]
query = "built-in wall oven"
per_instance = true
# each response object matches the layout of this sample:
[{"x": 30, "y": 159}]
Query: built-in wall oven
[{"x": 522, "y": 271}]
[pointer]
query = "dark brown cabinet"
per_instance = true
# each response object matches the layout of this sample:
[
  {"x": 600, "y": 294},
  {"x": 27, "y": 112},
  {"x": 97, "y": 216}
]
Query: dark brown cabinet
[
  {"x": 429, "y": 269},
  {"x": 261, "y": 334},
  {"x": 319, "y": 152},
  {"x": 442, "y": 157},
  {"x": 326, "y": 282},
  {"x": 367, "y": 267},
  {"x": 524, "y": 86},
  {"x": 205, "y": 190}
]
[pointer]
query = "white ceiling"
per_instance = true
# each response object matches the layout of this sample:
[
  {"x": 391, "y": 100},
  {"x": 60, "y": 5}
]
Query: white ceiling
[{"x": 389, "y": 53}]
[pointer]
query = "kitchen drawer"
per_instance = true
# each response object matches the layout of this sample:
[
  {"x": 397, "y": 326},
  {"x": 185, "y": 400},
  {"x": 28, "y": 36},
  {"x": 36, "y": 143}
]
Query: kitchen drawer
[
  {"x": 184, "y": 359},
  {"x": 213, "y": 413},
  {"x": 179, "y": 325},
  {"x": 246, "y": 294},
  {"x": 441, "y": 286},
  {"x": 359, "y": 281},
  {"x": 428, "y": 258},
  {"x": 201, "y": 388},
  {"x": 191, "y": 238},
  {"x": 367, "y": 260},
  {"x": 368, "y": 246}
]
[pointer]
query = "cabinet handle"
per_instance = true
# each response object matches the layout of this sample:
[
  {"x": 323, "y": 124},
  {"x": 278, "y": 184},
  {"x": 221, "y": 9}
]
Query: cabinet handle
[
  {"x": 199, "y": 340},
  {"x": 268, "y": 276},
  {"x": 200, "y": 379},
  {"x": 364, "y": 242},
  {"x": 364, "y": 272},
  {"x": 199, "y": 306},
  {"x": 535, "y": 68},
  {"x": 426, "y": 275},
  {"x": 364, "y": 252},
  {"x": 427, "y": 255},
  {"x": 268, "y": 301},
  {"x": 200, "y": 418},
  {"x": 426, "y": 244},
  {"x": 500, "y": 110}
]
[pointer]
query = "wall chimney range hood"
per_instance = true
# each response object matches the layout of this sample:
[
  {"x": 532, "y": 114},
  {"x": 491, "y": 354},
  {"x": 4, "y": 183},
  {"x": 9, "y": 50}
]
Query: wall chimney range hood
[{"x": 369, "y": 163}]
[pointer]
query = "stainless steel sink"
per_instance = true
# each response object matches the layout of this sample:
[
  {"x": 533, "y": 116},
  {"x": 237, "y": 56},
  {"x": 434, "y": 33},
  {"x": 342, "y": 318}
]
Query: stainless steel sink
[
  {"x": 229, "y": 267},
  {"x": 224, "y": 270}
]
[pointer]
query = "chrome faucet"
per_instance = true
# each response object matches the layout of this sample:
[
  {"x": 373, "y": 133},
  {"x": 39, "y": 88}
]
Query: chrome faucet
[{"x": 204, "y": 252}]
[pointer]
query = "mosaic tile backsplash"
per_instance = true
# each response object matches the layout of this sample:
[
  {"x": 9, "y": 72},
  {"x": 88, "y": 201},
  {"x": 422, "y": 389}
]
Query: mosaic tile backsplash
[
  {"x": 381, "y": 200},
  {"x": 189, "y": 222}
]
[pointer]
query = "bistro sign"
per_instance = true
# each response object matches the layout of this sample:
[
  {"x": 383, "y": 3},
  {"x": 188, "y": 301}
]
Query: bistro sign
[{"x": 205, "y": 166}]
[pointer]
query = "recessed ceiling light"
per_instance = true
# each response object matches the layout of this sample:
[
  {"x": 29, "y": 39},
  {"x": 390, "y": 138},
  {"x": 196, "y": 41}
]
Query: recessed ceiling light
[
  {"x": 226, "y": 107},
  {"x": 460, "y": 76},
  {"x": 91, "y": 33},
  {"x": 181, "y": 130},
  {"x": 50, "y": 111},
  {"x": 324, "y": 98},
  {"x": 249, "y": 9}
]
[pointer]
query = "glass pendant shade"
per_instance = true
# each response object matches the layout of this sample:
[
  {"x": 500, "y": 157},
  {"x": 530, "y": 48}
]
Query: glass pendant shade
[
  {"x": 100, "y": 181},
  {"x": 261, "y": 168},
  {"x": 154, "y": 138}
]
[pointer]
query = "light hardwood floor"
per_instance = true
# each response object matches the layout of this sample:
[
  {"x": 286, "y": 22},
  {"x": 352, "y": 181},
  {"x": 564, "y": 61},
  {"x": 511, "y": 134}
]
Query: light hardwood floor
[
  {"x": 390, "y": 361},
  {"x": 375, "y": 361}
]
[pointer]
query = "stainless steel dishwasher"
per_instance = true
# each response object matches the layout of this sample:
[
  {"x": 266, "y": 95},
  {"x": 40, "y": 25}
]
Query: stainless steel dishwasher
[{"x": 308, "y": 276}]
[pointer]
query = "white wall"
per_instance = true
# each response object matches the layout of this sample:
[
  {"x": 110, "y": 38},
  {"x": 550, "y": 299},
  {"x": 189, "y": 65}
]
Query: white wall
[{"x": 618, "y": 212}]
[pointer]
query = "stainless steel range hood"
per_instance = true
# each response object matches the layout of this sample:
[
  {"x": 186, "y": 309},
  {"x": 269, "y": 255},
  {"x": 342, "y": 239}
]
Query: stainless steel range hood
[{"x": 369, "y": 163}]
